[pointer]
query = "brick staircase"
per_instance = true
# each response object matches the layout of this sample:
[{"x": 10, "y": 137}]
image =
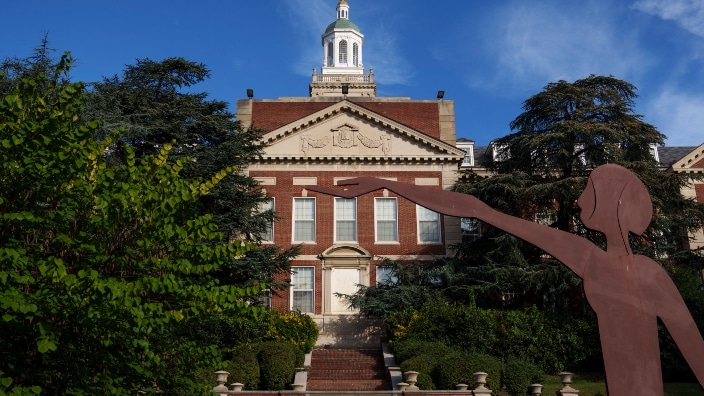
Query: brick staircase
[{"x": 348, "y": 370}]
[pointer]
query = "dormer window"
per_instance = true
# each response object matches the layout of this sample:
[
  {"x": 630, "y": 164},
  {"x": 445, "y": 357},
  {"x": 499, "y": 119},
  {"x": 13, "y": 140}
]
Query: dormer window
[
  {"x": 468, "y": 147},
  {"x": 654, "y": 153},
  {"x": 500, "y": 152}
]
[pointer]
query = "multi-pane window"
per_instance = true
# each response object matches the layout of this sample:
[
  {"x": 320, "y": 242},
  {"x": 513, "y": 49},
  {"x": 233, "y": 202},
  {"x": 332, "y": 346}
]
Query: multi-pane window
[
  {"x": 471, "y": 229},
  {"x": 331, "y": 57},
  {"x": 304, "y": 219},
  {"x": 268, "y": 205},
  {"x": 355, "y": 54},
  {"x": 345, "y": 220},
  {"x": 546, "y": 218},
  {"x": 386, "y": 275},
  {"x": 428, "y": 225},
  {"x": 385, "y": 210},
  {"x": 302, "y": 289},
  {"x": 343, "y": 51}
]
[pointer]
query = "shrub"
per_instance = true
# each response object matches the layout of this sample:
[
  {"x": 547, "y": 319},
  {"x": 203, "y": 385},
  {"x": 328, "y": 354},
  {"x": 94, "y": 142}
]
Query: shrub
[
  {"x": 277, "y": 365},
  {"x": 458, "y": 368},
  {"x": 244, "y": 367},
  {"x": 409, "y": 348},
  {"x": 519, "y": 374},
  {"x": 294, "y": 327},
  {"x": 424, "y": 365}
]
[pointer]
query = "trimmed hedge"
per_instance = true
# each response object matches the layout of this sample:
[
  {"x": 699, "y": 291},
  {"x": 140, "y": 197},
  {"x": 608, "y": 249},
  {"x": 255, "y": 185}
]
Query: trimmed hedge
[
  {"x": 244, "y": 367},
  {"x": 519, "y": 374},
  {"x": 277, "y": 365},
  {"x": 410, "y": 348},
  {"x": 458, "y": 368},
  {"x": 424, "y": 365}
]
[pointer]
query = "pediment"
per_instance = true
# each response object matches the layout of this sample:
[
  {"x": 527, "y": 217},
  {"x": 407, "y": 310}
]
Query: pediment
[
  {"x": 345, "y": 251},
  {"x": 692, "y": 162},
  {"x": 345, "y": 130}
]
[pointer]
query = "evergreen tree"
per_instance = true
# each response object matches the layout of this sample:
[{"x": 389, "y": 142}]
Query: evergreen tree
[
  {"x": 565, "y": 131},
  {"x": 155, "y": 103}
]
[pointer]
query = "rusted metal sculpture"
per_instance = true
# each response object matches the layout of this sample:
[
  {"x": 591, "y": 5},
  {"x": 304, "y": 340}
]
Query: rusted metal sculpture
[{"x": 628, "y": 292}]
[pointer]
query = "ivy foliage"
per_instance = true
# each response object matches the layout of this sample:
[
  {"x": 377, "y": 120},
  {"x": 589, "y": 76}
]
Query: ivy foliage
[{"x": 101, "y": 266}]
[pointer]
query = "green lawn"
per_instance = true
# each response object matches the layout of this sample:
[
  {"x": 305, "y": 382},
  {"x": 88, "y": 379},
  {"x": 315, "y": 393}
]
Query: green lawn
[{"x": 594, "y": 386}]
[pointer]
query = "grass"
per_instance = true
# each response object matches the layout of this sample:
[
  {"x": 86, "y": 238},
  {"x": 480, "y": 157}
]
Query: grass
[{"x": 593, "y": 385}]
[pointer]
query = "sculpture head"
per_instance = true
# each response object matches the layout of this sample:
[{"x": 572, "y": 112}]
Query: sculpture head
[{"x": 615, "y": 198}]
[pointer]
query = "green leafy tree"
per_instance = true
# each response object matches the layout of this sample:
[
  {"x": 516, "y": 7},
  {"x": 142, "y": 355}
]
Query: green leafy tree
[
  {"x": 565, "y": 131},
  {"x": 155, "y": 103},
  {"x": 102, "y": 267}
]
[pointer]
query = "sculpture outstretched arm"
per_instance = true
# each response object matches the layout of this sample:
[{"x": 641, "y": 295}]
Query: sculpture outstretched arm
[{"x": 568, "y": 248}]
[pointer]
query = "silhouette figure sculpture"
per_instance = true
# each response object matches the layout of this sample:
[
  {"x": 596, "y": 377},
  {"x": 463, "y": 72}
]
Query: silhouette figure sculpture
[{"x": 628, "y": 292}]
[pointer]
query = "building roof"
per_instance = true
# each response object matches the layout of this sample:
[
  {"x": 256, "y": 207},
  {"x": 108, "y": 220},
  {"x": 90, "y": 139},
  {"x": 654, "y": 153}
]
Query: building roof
[
  {"x": 342, "y": 23},
  {"x": 669, "y": 155},
  {"x": 422, "y": 116}
]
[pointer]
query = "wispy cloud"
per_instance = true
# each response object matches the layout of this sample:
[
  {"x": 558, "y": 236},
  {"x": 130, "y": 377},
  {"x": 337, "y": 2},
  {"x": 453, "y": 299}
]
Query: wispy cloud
[
  {"x": 308, "y": 20},
  {"x": 688, "y": 14},
  {"x": 679, "y": 116},
  {"x": 382, "y": 54},
  {"x": 529, "y": 45}
]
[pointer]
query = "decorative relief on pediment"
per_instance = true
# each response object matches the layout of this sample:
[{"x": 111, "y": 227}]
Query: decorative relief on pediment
[
  {"x": 307, "y": 142},
  {"x": 347, "y": 136}
]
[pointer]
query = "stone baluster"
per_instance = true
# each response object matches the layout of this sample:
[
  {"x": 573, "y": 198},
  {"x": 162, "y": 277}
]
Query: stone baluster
[
  {"x": 567, "y": 390},
  {"x": 221, "y": 379},
  {"x": 480, "y": 380},
  {"x": 411, "y": 377},
  {"x": 535, "y": 389}
]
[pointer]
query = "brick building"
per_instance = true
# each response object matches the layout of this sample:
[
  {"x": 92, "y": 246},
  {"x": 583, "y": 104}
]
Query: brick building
[{"x": 343, "y": 130}]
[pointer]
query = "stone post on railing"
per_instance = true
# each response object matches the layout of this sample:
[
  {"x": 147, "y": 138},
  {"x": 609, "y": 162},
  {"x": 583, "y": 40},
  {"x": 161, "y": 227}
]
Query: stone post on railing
[
  {"x": 480, "y": 380},
  {"x": 237, "y": 386},
  {"x": 567, "y": 390},
  {"x": 221, "y": 379},
  {"x": 411, "y": 377},
  {"x": 535, "y": 389}
]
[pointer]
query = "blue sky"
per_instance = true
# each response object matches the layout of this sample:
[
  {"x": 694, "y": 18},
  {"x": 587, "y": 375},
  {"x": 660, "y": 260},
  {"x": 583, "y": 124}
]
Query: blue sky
[{"x": 488, "y": 56}]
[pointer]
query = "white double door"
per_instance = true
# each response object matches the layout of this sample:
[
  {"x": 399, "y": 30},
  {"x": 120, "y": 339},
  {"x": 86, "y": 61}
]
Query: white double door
[{"x": 343, "y": 281}]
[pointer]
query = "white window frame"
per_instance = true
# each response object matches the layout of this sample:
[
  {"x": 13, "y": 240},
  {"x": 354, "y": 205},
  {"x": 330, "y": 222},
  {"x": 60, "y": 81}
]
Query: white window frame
[
  {"x": 384, "y": 272},
  {"x": 468, "y": 235},
  {"x": 378, "y": 219},
  {"x": 428, "y": 217},
  {"x": 293, "y": 289},
  {"x": 295, "y": 220},
  {"x": 342, "y": 52},
  {"x": 545, "y": 218},
  {"x": 268, "y": 236},
  {"x": 355, "y": 54},
  {"x": 339, "y": 218}
]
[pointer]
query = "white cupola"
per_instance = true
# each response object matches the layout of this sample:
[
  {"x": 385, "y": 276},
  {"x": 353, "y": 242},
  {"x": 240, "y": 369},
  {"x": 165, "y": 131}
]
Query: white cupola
[{"x": 342, "y": 44}]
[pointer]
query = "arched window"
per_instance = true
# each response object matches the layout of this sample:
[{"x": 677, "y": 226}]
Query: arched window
[
  {"x": 331, "y": 57},
  {"x": 343, "y": 51},
  {"x": 355, "y": 54}
]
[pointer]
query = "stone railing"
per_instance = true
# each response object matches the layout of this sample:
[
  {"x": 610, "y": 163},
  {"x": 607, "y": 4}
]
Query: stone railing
[
  {"x": 408, "y": 385},
  {"x": 343, "y": 78}
]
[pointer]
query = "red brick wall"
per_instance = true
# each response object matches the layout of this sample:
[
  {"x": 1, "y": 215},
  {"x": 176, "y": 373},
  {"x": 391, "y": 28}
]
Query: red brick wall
[
  {"x": 421, "y": 116},
  {"x": 284, "y": 191}
]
